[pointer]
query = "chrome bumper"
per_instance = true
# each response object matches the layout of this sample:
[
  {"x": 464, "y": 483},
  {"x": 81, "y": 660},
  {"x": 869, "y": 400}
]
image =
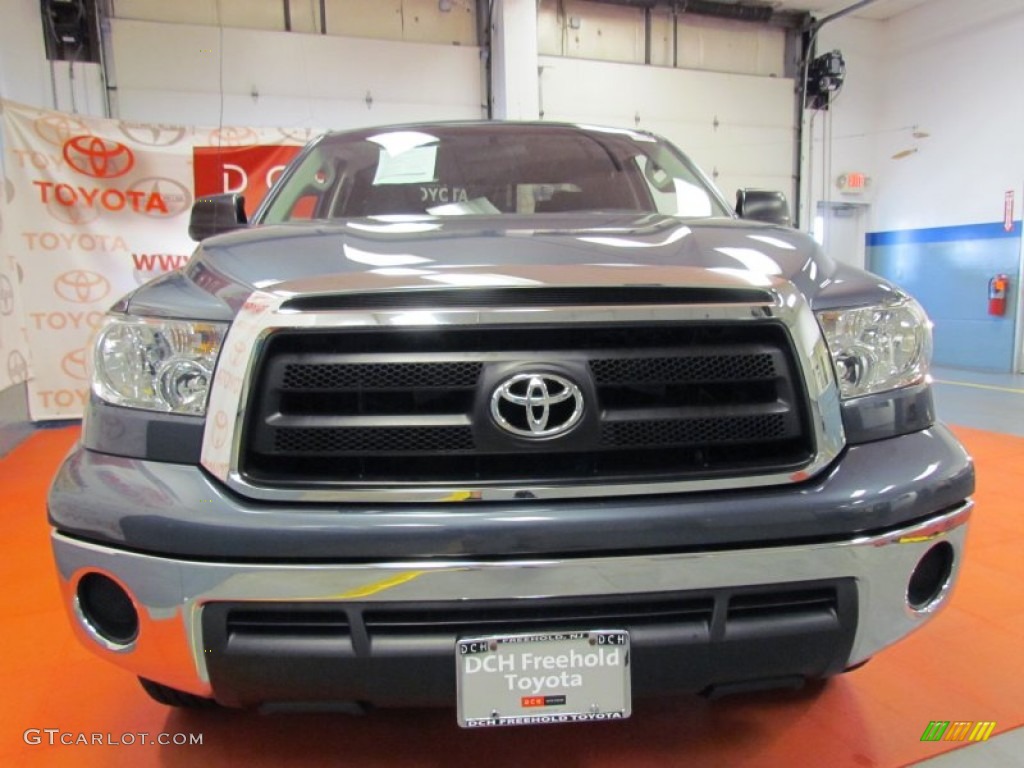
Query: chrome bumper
[{"x": 170, "y": 593}]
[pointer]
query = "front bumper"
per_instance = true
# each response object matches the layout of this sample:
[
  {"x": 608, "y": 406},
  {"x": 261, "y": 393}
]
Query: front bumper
[
  {"x": 180, "y": 511},
  {"x": 183, "y": 643}
]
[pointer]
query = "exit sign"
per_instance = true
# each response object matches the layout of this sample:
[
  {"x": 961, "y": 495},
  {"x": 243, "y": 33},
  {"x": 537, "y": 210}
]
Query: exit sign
[{"x": 852, "y": 181}]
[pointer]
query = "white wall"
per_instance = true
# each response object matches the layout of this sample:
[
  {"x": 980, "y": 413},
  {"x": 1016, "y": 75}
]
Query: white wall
[
  {"x": 27, "y": 77},
  {"x": 944, "y": 148},
  {"x": 955, "y": 70},
  {"x": 514, "y": 74},
  {"x": 171, "y": 73},
  {"x": 725, "y": 102},
  {"x": 429, "y": 21},
  {"x": 721, "y": 45},
  {"x": 166, "y": 71},
  {"x": 845, "y": 137},
  {"x": 952, "y": 70},
  {"x": 452, "y": 22},
  {"x": 24, "y": 71},
  {"x": 751, "y": 146},
  {"x": 592, "y": 30}
]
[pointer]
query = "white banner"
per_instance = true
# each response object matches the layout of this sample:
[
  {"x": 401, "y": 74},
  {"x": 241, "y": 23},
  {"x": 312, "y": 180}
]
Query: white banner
[
  {"x": 13, "y": 332},
  {"x": 92, "y": 209}
]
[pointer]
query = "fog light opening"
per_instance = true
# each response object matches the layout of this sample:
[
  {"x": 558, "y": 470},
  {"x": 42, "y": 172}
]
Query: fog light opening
[
  {"x": 931, "y": 576},
  {"x": 107, "y": 610}
]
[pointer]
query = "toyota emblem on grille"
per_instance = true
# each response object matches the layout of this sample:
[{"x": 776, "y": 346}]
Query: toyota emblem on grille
[{"x": 537, "y": 405}]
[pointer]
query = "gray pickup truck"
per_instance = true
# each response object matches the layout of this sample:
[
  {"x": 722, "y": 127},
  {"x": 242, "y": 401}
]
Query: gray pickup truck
[{"x": 521, "y": 418}]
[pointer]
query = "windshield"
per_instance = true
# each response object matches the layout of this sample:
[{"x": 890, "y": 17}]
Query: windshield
[{"x": 489, "y": 169}]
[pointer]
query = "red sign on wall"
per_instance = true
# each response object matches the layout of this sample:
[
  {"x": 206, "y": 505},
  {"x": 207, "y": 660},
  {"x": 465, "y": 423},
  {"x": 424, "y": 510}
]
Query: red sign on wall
[{"x": 250, "y": 171}]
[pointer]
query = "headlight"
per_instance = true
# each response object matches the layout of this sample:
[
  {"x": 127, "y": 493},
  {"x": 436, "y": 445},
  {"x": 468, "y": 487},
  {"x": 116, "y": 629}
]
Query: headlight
[
  {"x": 878, "y": 348},
  {"x": 161, "y": 365}
]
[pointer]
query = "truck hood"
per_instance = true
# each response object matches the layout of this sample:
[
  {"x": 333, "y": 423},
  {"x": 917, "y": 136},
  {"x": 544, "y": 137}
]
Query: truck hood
[{"x": 394, "y": 253}]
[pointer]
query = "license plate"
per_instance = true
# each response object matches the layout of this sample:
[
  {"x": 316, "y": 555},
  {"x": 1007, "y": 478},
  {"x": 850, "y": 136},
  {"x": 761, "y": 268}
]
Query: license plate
[{"x": 556, "y": 677}]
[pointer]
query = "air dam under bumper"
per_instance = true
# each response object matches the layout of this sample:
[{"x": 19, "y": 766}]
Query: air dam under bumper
[{"x": 188, "y": 639}]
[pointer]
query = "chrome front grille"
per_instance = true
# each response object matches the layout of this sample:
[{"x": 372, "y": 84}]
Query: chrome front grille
[
  {"x": 380, "y": 407},
  {"x": 316, "y": 377},
  {"x": 336, "y": 441},
  {"x": 695, "y": 431},
  {"x": 708, "y": 365}
]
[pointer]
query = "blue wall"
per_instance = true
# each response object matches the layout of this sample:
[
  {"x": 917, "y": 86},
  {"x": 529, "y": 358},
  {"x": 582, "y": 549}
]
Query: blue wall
[{"x": 947, "y": 269}]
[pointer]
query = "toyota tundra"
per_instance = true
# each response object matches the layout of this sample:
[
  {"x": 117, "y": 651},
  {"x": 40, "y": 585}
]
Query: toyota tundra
[{"x": 522, "y": 419}]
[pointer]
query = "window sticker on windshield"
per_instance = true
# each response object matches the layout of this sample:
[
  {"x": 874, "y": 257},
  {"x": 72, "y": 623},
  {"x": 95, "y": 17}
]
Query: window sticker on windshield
[
  {"x": 411, "y": 166},
  {"x": 691, "y": 199}
]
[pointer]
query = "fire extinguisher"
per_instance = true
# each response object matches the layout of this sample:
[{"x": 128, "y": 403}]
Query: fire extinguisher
[{"x": 997, "y": 288}]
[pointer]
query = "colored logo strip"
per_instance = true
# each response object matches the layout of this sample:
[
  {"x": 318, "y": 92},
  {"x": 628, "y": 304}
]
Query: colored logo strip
[{"x": 959, "y": 730}]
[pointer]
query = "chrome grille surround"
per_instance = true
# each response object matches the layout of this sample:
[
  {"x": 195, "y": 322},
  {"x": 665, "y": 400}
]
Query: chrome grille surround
[{"x": 264, "y": 315}]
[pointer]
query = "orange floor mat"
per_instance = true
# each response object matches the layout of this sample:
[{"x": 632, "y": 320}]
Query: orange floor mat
[{"x": 967, "y": 665}]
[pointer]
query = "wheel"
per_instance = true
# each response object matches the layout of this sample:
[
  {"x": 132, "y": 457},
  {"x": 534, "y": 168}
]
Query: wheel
[{"x": 172, "y": 697}]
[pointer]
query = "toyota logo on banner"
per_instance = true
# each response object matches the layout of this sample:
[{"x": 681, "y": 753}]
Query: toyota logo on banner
[
  {"x": 74, "y": 365},
  {"x": 80, "y": 286},
  {"x": 152, "y": 134},
  {"x": 220, "y": 429},
  {"x": 98, "y": 157},
  {"x": 57, "y": 128},
  {"x": 232, "y": 136}
]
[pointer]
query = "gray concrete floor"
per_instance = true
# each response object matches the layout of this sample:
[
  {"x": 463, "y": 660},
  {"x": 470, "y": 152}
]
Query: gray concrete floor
[
  {"x": 1003, "y": 751},
  {"x": 994, "y": 402}
]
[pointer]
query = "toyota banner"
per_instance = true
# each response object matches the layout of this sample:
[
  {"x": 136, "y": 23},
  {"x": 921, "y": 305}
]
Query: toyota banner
[{"x": 93, "y": 208}]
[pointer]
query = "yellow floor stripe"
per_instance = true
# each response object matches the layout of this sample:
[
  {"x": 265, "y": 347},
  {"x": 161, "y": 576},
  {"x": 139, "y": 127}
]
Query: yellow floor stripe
[{"x": 980, "y": 386}]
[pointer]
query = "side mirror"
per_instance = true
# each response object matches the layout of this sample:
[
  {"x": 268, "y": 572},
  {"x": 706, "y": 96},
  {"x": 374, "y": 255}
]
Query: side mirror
[
  {"x": 763, "y": 205},
  {"x": 215, "y": 214}
]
